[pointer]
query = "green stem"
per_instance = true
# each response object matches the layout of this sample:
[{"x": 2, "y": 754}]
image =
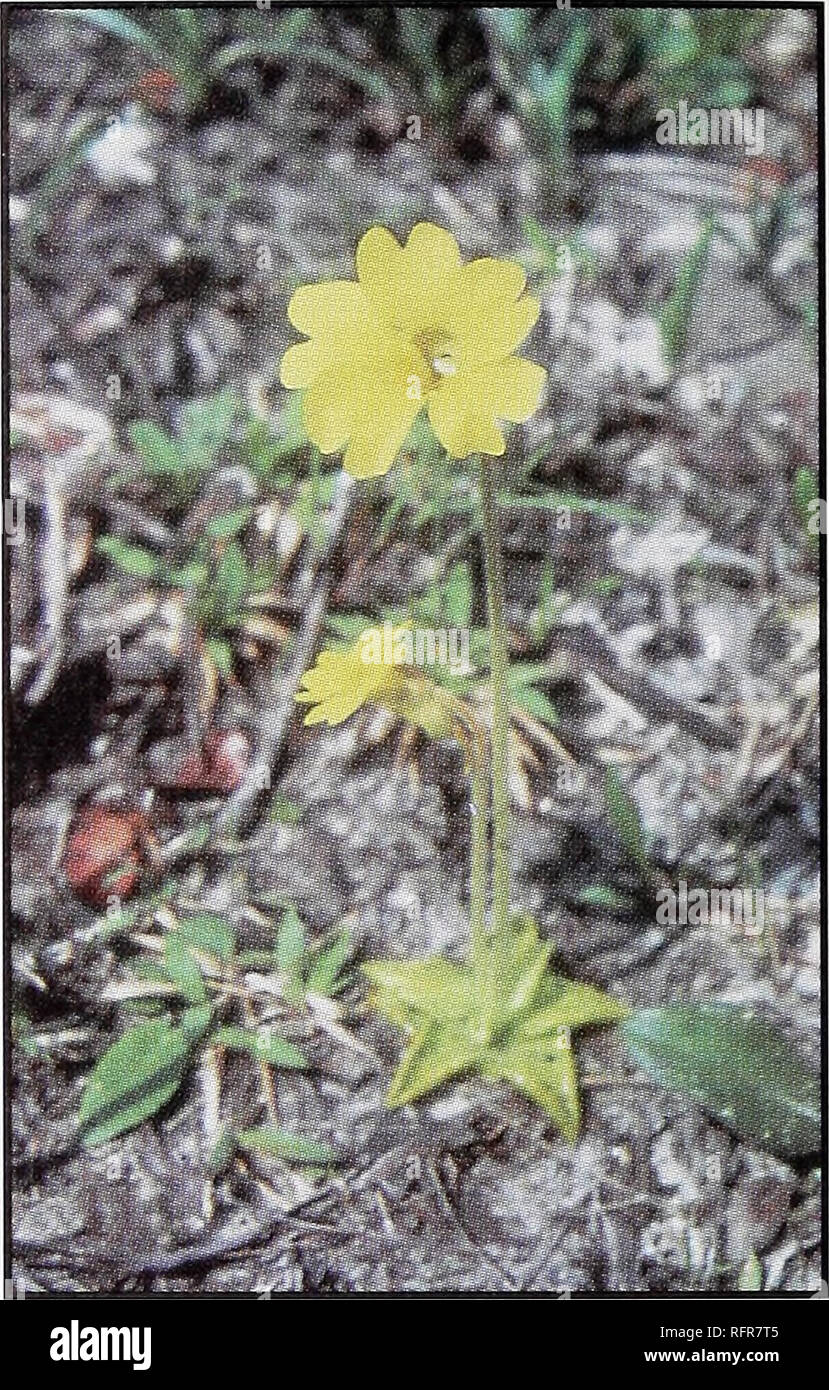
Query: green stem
[
  {"x": 479, "y": 857},
  {"x": 500, "y": 704}
]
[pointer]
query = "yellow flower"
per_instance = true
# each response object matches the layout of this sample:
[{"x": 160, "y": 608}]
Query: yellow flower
[
  {"x": 342, "y": 682},
  {"x": 375, "y": 670},
  {"x": 416, "y": 329}
]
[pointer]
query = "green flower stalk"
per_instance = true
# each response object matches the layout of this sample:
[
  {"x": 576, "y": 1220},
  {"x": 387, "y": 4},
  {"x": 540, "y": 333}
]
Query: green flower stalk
[{"x": 498, "y": 659}]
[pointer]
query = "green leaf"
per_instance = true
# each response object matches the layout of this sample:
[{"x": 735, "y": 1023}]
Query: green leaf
[
  {"x": 675, "y": 318},
  {"x": 735, "y": 1065},
  {"x": 209, "y": 933},
  {"x": 548, "y": 605},
  {"x": 552, "y": 89},
  {"x": 158, "y": 451},
  {"x": 232, "y": 578},
  {"x": 329, "y": 60},
  {"x": 347, "y": 627},
  {"x": 276, "y": 1051},
  {"x": 551, "y": 501},
  {"x": 435, "y": 988},
  {"x": 133, "y": 1080},
  {"x": 221, "y": 654},
  {"x": 512, "y": 27},
  {"x": 229, "y": 524},
  {"x": 540, "y": 241},
  {"x": 206, "y": 425},
  {"x": 602, "y": 895},
  {"x": 291, "y": 27},
  {"x": 222, "y": 1151},
  {"x": 191, "y": 34},
  {"x": 536, "y": 703},
  {"x": 290, "y": 941},
  {"x": 61, "y": 169},
  {"x": 195, "y": 1022},
  {"x": 192, "y": 576},
  {"x": 267, "y": 1139},
  {"x": 548, "y": 1079},
  {"x": 457, "y": 596},
  {"x": 116, "y": 923},
  {"x": 625, "y": 817},
  {"x": 324, "y": 976},
  {"x": 121, "y": 27},
  {"x": 574, "y": 1006},
  {"x": 182, "y": 969},
  {"x": 132, "y": 559},
  {"x": 805, "y": 494},
  {"x": 437, "y": 1052}
]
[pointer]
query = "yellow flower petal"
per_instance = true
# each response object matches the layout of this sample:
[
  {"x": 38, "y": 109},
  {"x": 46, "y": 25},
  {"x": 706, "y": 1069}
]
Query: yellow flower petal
[
  {"x": 488, "y": 280},
  {"x": 334, "y": 307},
  {"x": 398, "y": 390},
  {"x": 380, "y": 264},
  {"x": 457, "y": 421},
  {"x": 376, "y": 443},
  {"x": 409, "y": 286},
  {"x": 341, "y": 682},
  {"x": 341, "y": 323},
  {"x": 369, "y": 400},
  {"x": 487, "y": 336},
  {"x": 301, "y": 363},
  {"x": 432, "y": 252},
  {"x": 465, "y": 409},
  {"x": 331, "y": 406},
  {"x": 517, "y": 386}
]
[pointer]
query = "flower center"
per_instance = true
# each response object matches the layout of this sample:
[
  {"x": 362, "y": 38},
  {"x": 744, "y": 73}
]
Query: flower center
[{"x": 439, "y": 350}]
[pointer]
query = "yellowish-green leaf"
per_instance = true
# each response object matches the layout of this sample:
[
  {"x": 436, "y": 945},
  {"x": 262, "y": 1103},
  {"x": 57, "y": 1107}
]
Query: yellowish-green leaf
[
  {"x": 325, "y": 974},
  {"x": 195, "y": 1021},
  {"x": 159, "y": 452},
  {"x": 221, "y": 654},
  {"x": 436, "y": 1053},
  {"x": 624, "y": 814},
  {"x": 435, "y": 987},
  {"x": 526, "y": 986},
  {"x": 575, "y": 1006},
  {"x": 550, "y": 1081},
  {"x": 290, "y": 941},
  {"x": 132, "y": 559},
  {"x": 387, "y": 1003},
  {"x": 182, "y": 969},
  {"x": 229, "y": 524}
]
